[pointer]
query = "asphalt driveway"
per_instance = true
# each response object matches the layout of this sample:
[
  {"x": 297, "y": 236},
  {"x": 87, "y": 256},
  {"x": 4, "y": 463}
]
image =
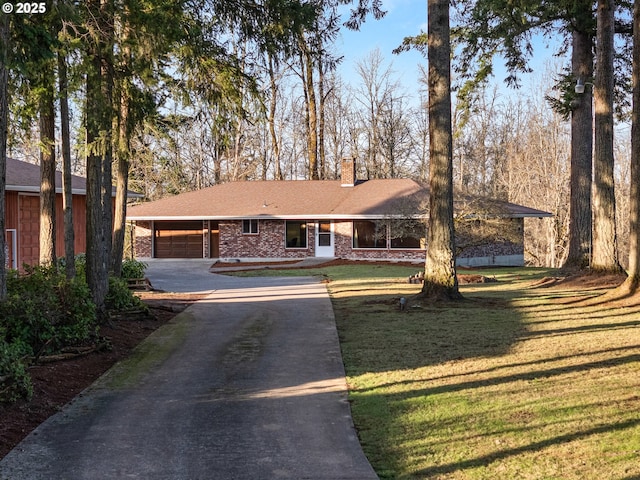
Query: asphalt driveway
[{"x": 247, "y": 383}]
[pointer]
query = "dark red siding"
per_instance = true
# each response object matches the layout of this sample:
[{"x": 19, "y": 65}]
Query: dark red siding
[{"x": 22, "y": 214}]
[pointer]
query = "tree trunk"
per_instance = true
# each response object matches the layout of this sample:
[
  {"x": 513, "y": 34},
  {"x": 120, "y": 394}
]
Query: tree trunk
[
  {"x": 440, "y": 271},
  {"x": 67, "y": 194},
  {"x": 4, "y": 117},
  {"x": 95, "y": 270},
  {"x": 275, "y": 143},
  {"x": 632, "y": 282},
  {"x": 123, "y": 156},
  {"x": 579, "y": 249},
  {"x": 321, "y": 123},
  {"x": 107, "y": 162},
  {"x": 604, "y": 255},
  {"x": 47, "y": 236},
  {"x": 217, "y": 164},
  {"x": 98, "y": 126},
  {"x": 122, "y": 180},
  {"x": 312, "y": 118}
]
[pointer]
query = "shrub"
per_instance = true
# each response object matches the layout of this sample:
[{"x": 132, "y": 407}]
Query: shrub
[
  {"x": 80, "y": 261},
  {"x": 79, "y": 312},
  {"x": 15, "y": 382},
  {"x": 81, "y": 265},
  {"x": 44, "y": 311},
  {"x": 133, "y": 268},
  {"x": 120, "y": 296}
]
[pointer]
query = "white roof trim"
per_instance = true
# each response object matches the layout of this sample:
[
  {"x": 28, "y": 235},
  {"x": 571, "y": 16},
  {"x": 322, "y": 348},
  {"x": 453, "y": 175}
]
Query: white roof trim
[
  {"x": 312, "y": 217},
  {"x": 541, "y": 214},
  {"x": 271, "y": 217}
]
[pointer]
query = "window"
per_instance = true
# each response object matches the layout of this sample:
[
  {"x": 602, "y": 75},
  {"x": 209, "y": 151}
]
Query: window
[
  {"x": 250, "y": 227},
  {"x": 324, "y": 234},
  {"x": 367, "y": 234},
  {"x": 408, "y": 236},
  {"x": 296, "y": 234}
]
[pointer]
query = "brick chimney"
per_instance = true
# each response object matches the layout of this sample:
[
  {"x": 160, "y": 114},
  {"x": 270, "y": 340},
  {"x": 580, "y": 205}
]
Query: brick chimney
[{"x": 348, "y": 174}]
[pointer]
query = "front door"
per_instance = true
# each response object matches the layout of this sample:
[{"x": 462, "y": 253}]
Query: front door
[{"x": 324, "y": 239}]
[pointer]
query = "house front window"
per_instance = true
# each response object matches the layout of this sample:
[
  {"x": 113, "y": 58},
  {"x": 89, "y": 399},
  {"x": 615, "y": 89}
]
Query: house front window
[
  {"x": 408, "y": 235},
  {"x": 250, "y": 227},
  {"x": 368, "y": 234},
  {"x": 296, "y": 234}
]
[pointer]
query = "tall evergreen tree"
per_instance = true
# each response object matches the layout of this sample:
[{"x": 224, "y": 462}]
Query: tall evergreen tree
[
  {"x": 67, "y": 187},
  {"x": 47, "y": 119},
  {"x": 580, "y": 181},
  {"x": 632, "y": 282},
  {"x": 34, "y": 77},
  {"x": 98, "y": 123},
  {"x": 491, "y": 27},
  {"x": 605, "y": 250},
  {"x": 4, "y": 118},
  {"x": 440, "y": 280},
  {"x": 307, "y": 64}
]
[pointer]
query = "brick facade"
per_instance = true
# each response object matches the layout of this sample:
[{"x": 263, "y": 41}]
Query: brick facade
[
  {"x": 143, "y": 244},
  {"x": 269, "y": 242}
]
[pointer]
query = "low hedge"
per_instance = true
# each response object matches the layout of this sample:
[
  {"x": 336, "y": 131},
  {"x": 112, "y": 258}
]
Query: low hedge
[
  {"x": 45, "y": 312},
  {"x": 15, "y": 382}
]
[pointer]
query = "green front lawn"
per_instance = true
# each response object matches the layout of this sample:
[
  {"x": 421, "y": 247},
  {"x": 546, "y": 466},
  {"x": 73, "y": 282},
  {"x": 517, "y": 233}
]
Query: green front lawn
[{"x": 521, "y": 380}]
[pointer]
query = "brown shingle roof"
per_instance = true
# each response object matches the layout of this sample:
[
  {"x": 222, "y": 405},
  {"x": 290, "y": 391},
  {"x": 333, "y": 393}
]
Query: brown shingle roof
[
  {"x": 301, "y": 199},
  {"x": 25, "y": 177}
]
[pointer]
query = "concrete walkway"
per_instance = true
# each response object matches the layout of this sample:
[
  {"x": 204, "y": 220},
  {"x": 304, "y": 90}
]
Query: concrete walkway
[{"x": 245, "y": 384}]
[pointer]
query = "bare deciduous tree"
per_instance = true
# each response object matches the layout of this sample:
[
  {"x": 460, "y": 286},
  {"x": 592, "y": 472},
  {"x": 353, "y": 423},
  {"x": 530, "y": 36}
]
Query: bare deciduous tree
[{"x": 373, "y": 94}]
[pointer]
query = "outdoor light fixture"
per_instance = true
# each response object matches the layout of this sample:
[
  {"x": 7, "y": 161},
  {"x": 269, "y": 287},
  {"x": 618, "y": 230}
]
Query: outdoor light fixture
[{"x": 580, "y": 86}]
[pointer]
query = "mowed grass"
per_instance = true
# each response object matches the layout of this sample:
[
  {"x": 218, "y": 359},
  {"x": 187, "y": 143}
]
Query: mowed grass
[{"x": 518, "y": 381}]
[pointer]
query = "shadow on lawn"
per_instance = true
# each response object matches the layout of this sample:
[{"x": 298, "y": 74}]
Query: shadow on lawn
[
  {"x": 532, "y": 447},
  {"x": 530, "y": 375},
  {"x": 376, "y": 336}
]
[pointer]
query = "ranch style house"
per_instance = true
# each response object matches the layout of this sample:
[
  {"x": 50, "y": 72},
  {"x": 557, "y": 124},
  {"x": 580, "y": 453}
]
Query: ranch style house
[{"x": 381, "y": 219}]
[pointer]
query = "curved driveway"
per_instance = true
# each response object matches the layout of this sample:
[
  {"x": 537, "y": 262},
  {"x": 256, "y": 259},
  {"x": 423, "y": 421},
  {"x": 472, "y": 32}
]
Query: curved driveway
[{"x": 247, "y": 383}]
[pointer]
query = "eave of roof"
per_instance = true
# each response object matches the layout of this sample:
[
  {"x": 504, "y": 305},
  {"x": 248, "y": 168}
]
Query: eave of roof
[
  {"x": 272, "y": 217},
  {"x": 299, "y": 199},
  {"x": 304, "y": 200},
  {"x": 25, "y": 177}
]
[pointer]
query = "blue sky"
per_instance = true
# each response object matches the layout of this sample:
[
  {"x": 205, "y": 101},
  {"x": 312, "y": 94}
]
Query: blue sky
[{"x": 406, "y": 18}]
